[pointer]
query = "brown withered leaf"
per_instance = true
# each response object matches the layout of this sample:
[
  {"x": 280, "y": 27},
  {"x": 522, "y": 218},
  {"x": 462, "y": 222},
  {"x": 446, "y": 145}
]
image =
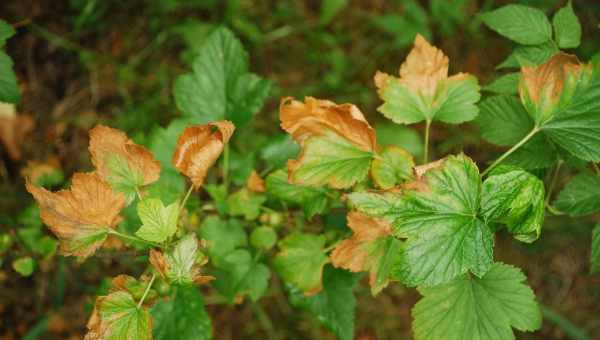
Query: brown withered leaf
[
  {"x": 367, "y": 249},
  {"x": 199, "y": 147},
  {"x": 121, "y": 162},
  {"x": 35, "y": 171},
  {"x": 316, "y": 117},
  {"x": 13, "y": 129},
  {"x": 255, "y": 183},
  {"x": 81, "y": 216}
]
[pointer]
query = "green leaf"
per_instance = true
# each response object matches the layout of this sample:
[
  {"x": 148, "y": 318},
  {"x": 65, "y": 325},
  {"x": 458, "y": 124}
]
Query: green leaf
[
  {"x": 122, "y": 177},
  {"x": 537, "y": 153},
  {"x": 24, "y": 265},
  {"x": 335, "y": 305},
  {"x": 263, "y": 238},
  {"x": 239, "y": 275},
  {"x": 503, "y": 120},
  {"x": 278, "y": 150},
  {"x": 223, "y": 236},
  {"x": 522, "y": 24},
  {"x": 514, "y": 197},
  {"x": 220, "y": 86},
  {"x": 401, "y": 136},
  {"x": 567, "y": 29},
  {"x": 330, "y": 158},
  {"x": 245, "y": 203},
  {"x": 392, "y": 166},
  {"x": 581, "y": 196},
  {"x": 505, "y": 84},
  {"x": 477, "y": 308},
  {"x": 532, "y": 55},
  {"x": 6, "y": 31},
  {"x": 123, "y": 319},
  {"x": 9, "y": 88},
  {"x": 453, "y": 102},
  {"x": 182, "y": 317},
  {"x": 595, "y": 261},
  {"x": 181, "y": 260},
  {"x": 313, "y": 200},
  {"x": 159, "y": 222},
  {"x": 445, "y": 236},
  {"x": 301, "y": 260},
  {"x": 329, "y": 9},
  {"x": 218, "y": 193}
]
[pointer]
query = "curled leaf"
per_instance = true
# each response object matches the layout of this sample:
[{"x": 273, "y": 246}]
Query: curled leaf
[
  {"x": 393, "y": 166},
  {"x": 199, "y": 147},
  {"x": 121, "y": 162},
  {"x": 337, "y": 142},
  {"x": 180, "y": 265},
  {"x": 425, "y": 92},
  {"x": 547, "y": 87},
  {"x": 81, "y": 216},
  {"x": 255, "y": 183},
  {"x": 371, "y": 248}
]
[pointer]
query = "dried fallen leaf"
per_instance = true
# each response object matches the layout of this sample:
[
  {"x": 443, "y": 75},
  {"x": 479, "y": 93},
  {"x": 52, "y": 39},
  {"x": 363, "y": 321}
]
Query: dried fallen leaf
[
  {"x": 337, "y": 142},
  {"x": 369, "y": 249},
  {"x": 81, "y": 216},
  {"x": 121, "y": 162},
  {"x": 255, "y": 183},
  {"x": 541, "y": 87},
  {"x": 199, "y": 147},
  {"x": 13, "y": 129}
]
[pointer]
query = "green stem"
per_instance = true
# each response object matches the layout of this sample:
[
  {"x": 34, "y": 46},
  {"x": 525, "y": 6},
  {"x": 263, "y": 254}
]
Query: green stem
[
  {"x": 331, "y": 247},
  {"x": 426, "y": 151},
  {"x": 596, "y": 168},
  {"x": 511, "y": 150},
  {"x": 552, "y": 182},
  {"x": 570, "y": 329},
  {"x": 226, "y": 167},
  {"x": 264, "y": 320},
  {"x": 139, "y": 194},
  {"x": 139, "y": 305},
  {"x": 185, "y": 198},
  {"x": 132, "y": 238}
]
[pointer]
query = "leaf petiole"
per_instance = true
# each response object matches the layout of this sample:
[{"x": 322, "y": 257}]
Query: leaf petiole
[
  {"x": 511, "y": 150},
  {"x": 185, "y": 198},
  {"x": 139, "y": 305},
  {"x": 132, "y": 238},
  {"x": 426, "y": 151}
]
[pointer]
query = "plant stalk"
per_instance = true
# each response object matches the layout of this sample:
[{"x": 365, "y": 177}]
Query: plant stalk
[
  {"x": 552, "y": 182},
  {"x": 226, "y": 167},
  {"x": 139, "y": 305},
  {"x": 426, "y": 151},
  {"x": 511, "y": 150},
  {"x": 132, "y": 238},
  {"x": 185, "y": 198}
]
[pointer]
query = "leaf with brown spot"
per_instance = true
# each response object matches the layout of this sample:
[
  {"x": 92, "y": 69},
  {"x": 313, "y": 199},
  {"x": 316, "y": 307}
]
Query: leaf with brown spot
[
  {"x": 122, "y": 163},
  {"x": 371, "y": 248},
  {"x": 199, "y": 147},
  {"x": 425, "y": 92},
  {"x": 255, "y": 183},
  {"x": 82, "y": 216},
  {"x": 337, "y": 142}
]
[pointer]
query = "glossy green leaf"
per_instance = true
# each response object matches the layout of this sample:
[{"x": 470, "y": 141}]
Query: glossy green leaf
[
  {"x": 313, "y": 200},
  {"x": 301, "y": 260},
  {"x": 522, "y": 24},
  {"x": 515, "y": 198},
  {"x": 245, "y": 203},
  {"x": 392, "y": 166},
  {"x": 595, "y": 260},
  {"x": 222, "y": 236},
  {"x": 239, "y": 274},
  {"x": 538, "y": 153},
  {"x": 439, "y": 219},
  {"x": 505, "y": 84},
  {"x": 581, "y": 195},
  {"x": 529, "y": 55},
  {"x": 335, "y": 305},
  {"x": 330, "y": 158},
  {"x": 477, "y": 308},
  {"x": 9, "y": 88},
  {"x": 220, "y": 86},
  {"x": 263, "y": 238},
  {"x": 183, "y": 316},
  {"x": 158, "y": 222},
  {"x": 123, "y": 319},
  {"x": 567, "y": 29}
]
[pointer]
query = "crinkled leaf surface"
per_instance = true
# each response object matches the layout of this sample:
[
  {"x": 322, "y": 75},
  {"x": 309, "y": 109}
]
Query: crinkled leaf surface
[
  {"x": 581, "y": 196},
  {"x": 120, "y": 319},
  {"x": 335, "y": 305},
  {"x": 392, "y": 166},
  {"x": 239, "y": 274},
  {"x": 567, "y": 29},
  {"x": 301, "y": 260},
  {"x": 313, "y": 200},
  {"x": 477, "y": 308},
  {"x": 159, "y": 222},
  {"x": 220, "y": 86},
  {"x": 505, "y": 84},
  {"x": 516, "y": 198},
  {"x": 439, "y": 218},
  {"x": 523, "y": 24},
  {"x": 181, "y": 260},
  {"x": 503, "y": 120},
  {"x": 183, "y": 316}
]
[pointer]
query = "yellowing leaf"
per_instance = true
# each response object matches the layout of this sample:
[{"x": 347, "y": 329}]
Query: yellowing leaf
[
  {"x": 13, "y": 129},
  {"x": 544, "y": 88},
  {"x": 392, "y": 166},
  {"x": 255, "y": 183},
  {"x": 82, "y": 216},
  {"x": 199, "y": 147},
  {"x": 337, "y": 142},
  {"x": 425, "y": 92},
  {"x": 371, "y": 248},
  {"x": 121, "y": 162}
]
